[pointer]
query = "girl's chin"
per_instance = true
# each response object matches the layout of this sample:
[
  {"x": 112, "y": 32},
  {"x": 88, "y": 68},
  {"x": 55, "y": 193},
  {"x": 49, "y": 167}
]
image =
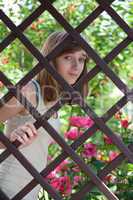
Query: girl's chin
[{"x": 72, "y": 82}]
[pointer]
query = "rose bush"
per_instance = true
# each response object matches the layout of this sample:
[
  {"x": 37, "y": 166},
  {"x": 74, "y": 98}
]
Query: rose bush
[{"x": 68, "y": 178}]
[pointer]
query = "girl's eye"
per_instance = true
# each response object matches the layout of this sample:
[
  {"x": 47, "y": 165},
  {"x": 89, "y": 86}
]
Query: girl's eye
[
  {"x": 82, "y": 60},
  {"x": 68, "y": 57}
]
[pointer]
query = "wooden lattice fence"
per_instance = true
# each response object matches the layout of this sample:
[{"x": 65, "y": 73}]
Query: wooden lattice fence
[{"x": 41, "y": 120}]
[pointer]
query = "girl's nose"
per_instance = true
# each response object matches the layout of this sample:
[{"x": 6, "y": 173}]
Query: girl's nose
[{"x": 75, "y": 63}]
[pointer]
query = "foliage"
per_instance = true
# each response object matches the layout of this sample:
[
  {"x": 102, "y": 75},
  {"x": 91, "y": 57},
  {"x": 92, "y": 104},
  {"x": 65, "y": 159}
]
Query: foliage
[
  {"x": 103, "y": 34},
  {"x": 97, "y": 152}
]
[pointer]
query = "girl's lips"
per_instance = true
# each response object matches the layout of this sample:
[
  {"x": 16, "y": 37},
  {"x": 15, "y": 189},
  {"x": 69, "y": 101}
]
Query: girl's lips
[{"x": 73, "y": 74}]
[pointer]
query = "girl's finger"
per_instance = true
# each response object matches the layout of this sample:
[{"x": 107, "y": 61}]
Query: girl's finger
[
  {"x": 28, "y": 131},
  {"x": 32, "y": 127},
  {"x": 26, "y": 136},
  {"x": 21, "y": 140},
  {"x": 14, "y": 136}
]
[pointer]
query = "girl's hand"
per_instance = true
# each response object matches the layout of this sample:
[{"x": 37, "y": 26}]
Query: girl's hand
[{"x": 25, "y": 134}]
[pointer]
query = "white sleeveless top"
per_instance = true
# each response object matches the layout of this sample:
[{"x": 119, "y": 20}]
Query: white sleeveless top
[{"x": 12, "y": 173}]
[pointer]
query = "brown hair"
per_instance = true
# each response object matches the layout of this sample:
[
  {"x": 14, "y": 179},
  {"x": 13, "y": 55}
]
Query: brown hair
[{"x": 49, "y": 86}]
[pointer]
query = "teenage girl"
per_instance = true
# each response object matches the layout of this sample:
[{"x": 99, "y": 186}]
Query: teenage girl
[{"x": 43, "y": 91}]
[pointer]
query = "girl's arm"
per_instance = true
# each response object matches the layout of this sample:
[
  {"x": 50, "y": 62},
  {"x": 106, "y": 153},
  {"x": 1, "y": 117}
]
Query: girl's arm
[
  {"x": 10, "y": 109},
  {"x": 14, "y": 107}
]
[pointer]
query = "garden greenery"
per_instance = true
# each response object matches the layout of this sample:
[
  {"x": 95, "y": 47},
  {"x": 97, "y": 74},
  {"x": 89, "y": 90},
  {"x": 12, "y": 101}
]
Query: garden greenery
[{"x": 103, "y": 34}]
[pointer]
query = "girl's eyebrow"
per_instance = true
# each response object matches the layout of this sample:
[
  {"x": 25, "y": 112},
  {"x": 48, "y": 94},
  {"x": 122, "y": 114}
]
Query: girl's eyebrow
[
  {"x": 67, "y": 53},
  {"x": 84, "y": 55},
  {"x": 70, "y": 52}
]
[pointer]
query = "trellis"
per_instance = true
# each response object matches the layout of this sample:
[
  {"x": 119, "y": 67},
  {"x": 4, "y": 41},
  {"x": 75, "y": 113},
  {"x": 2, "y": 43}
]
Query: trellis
[{"x": 41, "y": 120}]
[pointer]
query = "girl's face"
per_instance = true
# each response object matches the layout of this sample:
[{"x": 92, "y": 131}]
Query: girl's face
[{"x": 70, "y": 65}]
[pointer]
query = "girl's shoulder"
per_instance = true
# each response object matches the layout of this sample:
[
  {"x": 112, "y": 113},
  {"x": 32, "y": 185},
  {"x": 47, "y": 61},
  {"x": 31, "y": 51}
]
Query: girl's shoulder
[
  {"x": 29, "y": 91},
  {"x": 29, "y": 87}
]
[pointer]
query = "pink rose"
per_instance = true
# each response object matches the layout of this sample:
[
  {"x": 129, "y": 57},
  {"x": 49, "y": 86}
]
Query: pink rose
[
  {"x": 62, "y": 166},
  {"x": 89, "y": 150},
  {"x": 51, "y": 175},
  {"x": 82, "y": 122},
  {"x": 62, "y": 184},
  {"x": 56, "y": 183},
  {"x": 66, "y": 187},
  {"x": 49, "y": 158},
  {"x": 113, "y": 155},
  {"x": 110, "y": 178},
  {"x": 76, "y": 168},
  {"x": 73, "y": 134},
  {"x": 76, "y": 180},
  {"x": 124, "y": 123},
  {"x": 107, "y": 140}
]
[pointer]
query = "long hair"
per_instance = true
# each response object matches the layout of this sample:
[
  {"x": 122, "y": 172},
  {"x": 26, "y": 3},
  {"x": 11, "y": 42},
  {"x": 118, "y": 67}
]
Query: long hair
[{"x": 50, "y": 88}]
